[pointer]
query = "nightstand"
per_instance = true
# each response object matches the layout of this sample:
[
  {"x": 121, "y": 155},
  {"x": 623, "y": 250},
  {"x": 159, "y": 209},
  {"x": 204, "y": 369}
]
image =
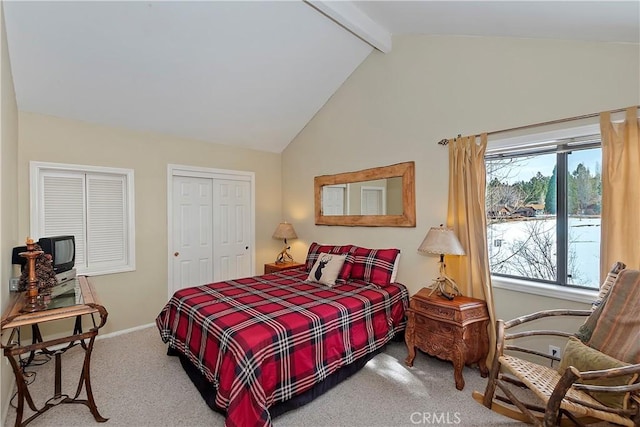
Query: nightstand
[
  {"x": 274, "y": 268},
  {"x": 453, "y": 330}
]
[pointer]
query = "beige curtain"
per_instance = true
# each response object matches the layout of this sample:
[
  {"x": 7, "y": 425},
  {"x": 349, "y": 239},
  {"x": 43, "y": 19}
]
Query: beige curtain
[
  {"x": 620, "y": 229},
  {"x": 467, "y": 216}
]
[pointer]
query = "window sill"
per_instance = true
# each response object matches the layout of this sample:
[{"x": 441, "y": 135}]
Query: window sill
[
  {"x": 105, "y": 271},
  {"x": 586, "y": 296}
]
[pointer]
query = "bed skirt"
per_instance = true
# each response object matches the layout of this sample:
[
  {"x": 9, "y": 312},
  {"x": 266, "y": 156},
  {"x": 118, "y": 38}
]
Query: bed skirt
[{"x": 208, "y": 392}]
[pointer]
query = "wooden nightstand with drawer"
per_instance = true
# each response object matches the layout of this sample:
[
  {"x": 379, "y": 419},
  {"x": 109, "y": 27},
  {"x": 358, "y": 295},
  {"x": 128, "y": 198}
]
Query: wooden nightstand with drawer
[
  {"x": 275, "y": 267},
  {"x": 453, "y": 330}
]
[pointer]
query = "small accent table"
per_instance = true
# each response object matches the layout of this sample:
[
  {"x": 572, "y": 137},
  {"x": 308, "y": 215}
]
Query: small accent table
[
  {"x": 275, "y": 267},
  {"x": 75, "y": 298},
  {"x": 453, "y": 330}
]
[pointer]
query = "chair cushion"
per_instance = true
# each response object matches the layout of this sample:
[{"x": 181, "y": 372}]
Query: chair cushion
[
  {"x": 586, "y": 329},
  {"x": 585, "y": 358},
  {"x": 612, "y": 275},
  {"x": 616, "y": 330}
]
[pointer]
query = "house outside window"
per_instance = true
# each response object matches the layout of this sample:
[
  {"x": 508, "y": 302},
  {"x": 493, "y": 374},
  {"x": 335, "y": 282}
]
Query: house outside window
[
  {"x": 543, "y": 205},
  {"x": 95, "y": 205}
]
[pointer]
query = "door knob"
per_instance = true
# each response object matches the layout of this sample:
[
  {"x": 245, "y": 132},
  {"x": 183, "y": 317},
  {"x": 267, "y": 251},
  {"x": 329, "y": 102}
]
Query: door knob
[{"x": 176, "y": 253}]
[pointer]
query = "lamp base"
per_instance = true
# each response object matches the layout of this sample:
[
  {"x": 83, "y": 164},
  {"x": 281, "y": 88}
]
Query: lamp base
[
  {"x": 284, "y": 256},
  {"x": 446, "y": 287}
]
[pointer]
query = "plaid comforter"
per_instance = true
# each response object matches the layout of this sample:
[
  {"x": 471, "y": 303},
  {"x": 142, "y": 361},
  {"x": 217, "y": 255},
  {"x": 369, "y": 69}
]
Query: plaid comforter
[{"x": 264, "y": 339}]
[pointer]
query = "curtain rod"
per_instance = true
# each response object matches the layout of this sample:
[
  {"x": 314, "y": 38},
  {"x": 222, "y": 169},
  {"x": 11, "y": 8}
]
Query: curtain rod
[{"x": 445, "y": 141}]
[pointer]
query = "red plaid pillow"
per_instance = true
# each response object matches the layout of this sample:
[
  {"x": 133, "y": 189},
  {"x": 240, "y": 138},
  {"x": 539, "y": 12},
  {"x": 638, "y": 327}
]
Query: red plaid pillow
[
  {"x": 315, "y": 249},
  {"x": 372, "y": 265}
]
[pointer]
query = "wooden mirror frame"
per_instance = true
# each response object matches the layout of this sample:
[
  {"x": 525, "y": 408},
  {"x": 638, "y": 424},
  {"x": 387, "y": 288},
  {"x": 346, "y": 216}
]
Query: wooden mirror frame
[{"x": 407, "y": 219}]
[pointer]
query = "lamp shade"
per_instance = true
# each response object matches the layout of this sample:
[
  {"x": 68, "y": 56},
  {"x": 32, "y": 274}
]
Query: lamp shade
[
  {"x": 285, "y": 231},
  {"x": 442, "y": 241}
]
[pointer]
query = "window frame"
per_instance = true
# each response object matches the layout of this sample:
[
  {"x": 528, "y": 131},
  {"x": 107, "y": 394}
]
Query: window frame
[
  {"x": 539, "y": 140},
  {"x": 37, "y": 169}
]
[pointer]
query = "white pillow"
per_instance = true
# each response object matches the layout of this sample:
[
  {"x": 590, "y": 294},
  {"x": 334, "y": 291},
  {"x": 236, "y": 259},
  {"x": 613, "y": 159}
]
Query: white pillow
[
  {"x": 326, "y": 269},
  {"x": 394, "y": 273}
]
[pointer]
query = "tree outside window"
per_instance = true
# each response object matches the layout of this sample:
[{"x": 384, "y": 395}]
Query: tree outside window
[{"x": 538, "y": 223}]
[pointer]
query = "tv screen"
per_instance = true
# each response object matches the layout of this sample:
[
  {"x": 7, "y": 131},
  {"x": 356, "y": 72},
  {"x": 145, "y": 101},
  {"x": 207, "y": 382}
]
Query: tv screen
[{"x": 64, "y": 251}]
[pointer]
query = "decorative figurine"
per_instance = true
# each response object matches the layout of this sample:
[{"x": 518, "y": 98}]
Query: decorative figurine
[{"x": 284, "y": 256}]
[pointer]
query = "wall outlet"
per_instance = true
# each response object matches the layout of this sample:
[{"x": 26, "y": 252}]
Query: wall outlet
[
  {"x": 554, "y": 351},
  {"x": 13, "y": 284}
]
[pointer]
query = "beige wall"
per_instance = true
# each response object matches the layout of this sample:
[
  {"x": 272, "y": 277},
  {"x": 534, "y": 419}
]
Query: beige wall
[
  {"x": 396, "y": 106},
  {"x": 8, "y": 194},
  {"x": 135, "y": 298}
]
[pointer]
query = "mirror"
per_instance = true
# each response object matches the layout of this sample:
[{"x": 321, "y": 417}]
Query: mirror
[{"x": 376, "y": 197}]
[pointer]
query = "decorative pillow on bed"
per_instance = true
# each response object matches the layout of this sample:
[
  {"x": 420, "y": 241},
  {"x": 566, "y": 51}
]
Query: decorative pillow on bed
[
  {"x": 315, "y": 249},
  {"x": 373, "y": 265},
  {"x": 326, "y": 269},
  {"x": 394, "y": 274}
]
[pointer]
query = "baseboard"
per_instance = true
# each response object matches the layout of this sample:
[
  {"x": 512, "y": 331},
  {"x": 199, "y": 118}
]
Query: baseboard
[
  {"x": 124, "y": 331},
  {"x": 109, "y": 335}
]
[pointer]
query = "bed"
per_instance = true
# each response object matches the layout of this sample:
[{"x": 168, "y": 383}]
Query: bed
[{"x": 252, "y": 345}]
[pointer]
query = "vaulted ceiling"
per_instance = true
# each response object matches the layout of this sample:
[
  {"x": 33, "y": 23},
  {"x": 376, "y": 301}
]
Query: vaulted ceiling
[{"x": 250, "y": 74}]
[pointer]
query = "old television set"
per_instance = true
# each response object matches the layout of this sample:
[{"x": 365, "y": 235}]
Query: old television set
[{"x": 61, "y": 248}]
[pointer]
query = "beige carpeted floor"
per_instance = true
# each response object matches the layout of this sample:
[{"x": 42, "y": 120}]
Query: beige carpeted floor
[{"x": 136, "y": 384}]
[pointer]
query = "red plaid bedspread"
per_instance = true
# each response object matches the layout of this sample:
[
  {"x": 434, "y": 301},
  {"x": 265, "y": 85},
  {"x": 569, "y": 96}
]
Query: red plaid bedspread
[{"x": 264, "y": 339}]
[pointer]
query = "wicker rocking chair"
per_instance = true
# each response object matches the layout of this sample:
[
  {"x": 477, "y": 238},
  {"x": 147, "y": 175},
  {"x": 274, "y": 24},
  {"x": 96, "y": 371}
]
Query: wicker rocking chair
[{"x": 580, "y": 389}]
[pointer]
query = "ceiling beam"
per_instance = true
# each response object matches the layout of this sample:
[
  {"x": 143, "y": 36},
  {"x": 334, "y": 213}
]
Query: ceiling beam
[{"x": 347, "y": 15}]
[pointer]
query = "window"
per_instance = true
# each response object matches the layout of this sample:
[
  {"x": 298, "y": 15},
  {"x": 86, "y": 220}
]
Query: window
[
  {"x": 543, "y": 210},
  {"x": 94, "y": 204}
]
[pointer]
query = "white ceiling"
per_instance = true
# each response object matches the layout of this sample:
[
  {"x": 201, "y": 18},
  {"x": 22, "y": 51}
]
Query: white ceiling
[
  {"x": 250, "y": 74},
  {"x": 605, "y": 21}
]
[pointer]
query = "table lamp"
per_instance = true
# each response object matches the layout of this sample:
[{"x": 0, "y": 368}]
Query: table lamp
[
  {"x": 284, "y": 231},
  {"x": 442, "y": 241}
]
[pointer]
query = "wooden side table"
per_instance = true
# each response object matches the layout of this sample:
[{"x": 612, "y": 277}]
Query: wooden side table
[
  {"x": 274, "y": 267},
  {"x": 453, "y": 330},
  {"x": 69, "y": 300}
]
